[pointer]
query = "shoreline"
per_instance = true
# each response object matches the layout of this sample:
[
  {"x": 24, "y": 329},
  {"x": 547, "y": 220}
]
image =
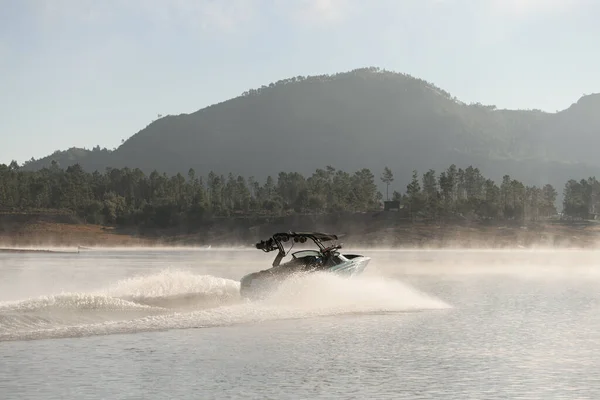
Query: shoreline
[
  {"x": 46, "y": 236},
  {"x": 20, "y": 250}
]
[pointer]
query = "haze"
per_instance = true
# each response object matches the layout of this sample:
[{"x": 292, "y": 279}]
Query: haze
[{"x": 84, "y": 73}]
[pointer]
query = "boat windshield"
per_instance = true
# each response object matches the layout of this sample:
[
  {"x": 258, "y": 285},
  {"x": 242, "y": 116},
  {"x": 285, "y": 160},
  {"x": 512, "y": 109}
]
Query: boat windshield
[{"x": 304, "y": 253}]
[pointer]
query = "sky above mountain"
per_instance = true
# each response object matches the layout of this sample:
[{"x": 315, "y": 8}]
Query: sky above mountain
[{"x": 85, "y": 72}]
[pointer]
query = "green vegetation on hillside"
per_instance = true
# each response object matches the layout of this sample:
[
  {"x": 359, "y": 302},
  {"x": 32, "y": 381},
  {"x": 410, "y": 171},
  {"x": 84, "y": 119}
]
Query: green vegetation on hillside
[
  {"x": 93, "y": 160},
  {"x": 365, "y": 118},
  {"x": 128, "y": 197}
]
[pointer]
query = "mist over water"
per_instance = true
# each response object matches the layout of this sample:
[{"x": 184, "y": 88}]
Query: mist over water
[
  {"x": 178, "y": 298},
  {"x": 440, "y": 324}
]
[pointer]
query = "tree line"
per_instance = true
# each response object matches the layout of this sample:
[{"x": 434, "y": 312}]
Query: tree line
[
  {"x": 129, "y": 197},
  {"x": 361, "y": 72}
]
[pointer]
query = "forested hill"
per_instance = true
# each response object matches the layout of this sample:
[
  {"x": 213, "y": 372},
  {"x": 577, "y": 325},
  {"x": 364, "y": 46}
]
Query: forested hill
[{"x": 362, "y": 118}]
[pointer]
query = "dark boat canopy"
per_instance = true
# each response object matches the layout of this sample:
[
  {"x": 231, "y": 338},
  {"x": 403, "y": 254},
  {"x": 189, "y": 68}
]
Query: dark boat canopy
[
  {"x": 274, "y": 242},
  {"x": 322, "y": 237}
]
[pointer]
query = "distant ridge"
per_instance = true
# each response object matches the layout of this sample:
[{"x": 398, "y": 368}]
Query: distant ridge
[{"x": 365, "y": 117}]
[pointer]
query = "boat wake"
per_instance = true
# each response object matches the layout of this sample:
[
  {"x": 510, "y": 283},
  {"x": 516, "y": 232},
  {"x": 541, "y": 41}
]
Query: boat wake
[{"x": 181, "y": 300}]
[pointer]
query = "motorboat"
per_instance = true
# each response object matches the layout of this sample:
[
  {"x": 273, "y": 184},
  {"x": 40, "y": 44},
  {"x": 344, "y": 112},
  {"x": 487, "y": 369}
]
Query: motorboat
[{"x": 326, "y": 258}]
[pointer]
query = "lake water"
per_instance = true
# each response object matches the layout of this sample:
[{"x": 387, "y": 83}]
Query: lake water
[{"x": 158, "y": 324}]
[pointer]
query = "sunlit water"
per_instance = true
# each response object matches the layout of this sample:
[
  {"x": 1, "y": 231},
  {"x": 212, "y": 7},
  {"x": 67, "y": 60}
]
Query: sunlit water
[{"x": 158, "y": 324}]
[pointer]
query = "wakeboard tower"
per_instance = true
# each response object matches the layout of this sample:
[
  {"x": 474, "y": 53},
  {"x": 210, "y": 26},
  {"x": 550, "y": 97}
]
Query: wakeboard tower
[{"x": 324, "y": 259}]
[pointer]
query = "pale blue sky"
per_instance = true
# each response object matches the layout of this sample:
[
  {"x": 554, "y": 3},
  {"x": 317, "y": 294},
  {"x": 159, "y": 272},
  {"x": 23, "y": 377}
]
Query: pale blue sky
[{"x": 88, "y": 72}]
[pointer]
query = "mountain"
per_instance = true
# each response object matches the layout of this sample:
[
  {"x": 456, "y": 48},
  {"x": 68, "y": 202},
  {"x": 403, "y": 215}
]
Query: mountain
[
  {"x": 363, "y": 118},
  {"x": 91, "y": 160},
  {"x": 574, "y": 134}
]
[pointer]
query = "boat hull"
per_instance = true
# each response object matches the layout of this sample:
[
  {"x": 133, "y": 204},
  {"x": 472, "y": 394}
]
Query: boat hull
[{"x": 258, "y": 285}]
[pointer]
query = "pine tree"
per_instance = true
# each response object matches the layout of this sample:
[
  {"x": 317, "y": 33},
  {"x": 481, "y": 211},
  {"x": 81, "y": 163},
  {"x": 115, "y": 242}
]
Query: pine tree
[{"x": 387, "y": 177}]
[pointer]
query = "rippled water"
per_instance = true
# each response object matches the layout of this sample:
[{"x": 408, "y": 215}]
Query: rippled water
[{"x": 158, "y": 324}]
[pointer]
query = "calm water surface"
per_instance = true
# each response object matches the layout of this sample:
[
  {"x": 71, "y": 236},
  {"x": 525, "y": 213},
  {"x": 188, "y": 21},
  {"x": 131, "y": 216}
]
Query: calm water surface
[{"x": 157, "y": 324}]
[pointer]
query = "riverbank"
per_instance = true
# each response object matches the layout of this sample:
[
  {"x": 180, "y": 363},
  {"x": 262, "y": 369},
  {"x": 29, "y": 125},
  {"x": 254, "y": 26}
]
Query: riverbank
[
  {"x": 360, "y": 230},
  {"x": 45, "y": 229}
]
